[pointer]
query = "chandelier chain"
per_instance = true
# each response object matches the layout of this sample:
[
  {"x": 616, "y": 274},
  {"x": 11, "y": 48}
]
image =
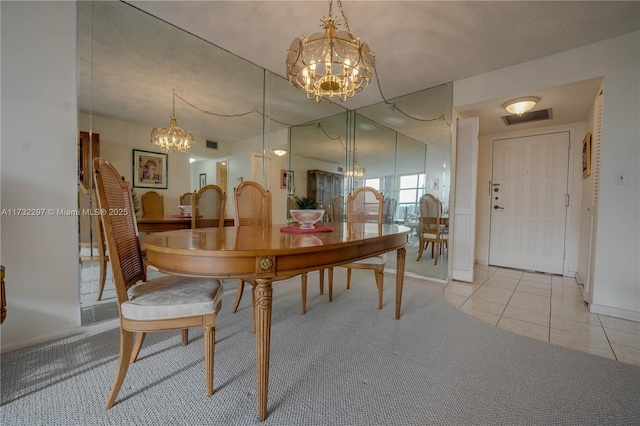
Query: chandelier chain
[
  {"x": 394, "y": 107},
  {"x": 346, "y": 23},
  {"x": 254, "y": 110}
]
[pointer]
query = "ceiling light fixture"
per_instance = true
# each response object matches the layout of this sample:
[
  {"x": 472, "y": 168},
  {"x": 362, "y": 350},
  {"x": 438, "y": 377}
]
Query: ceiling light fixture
[
  {"x": 521, "y": 105},
  {"x": 173, "y": 137},
  {"x": 333, "y": 63},
  {"x": 357, "y": 172},
  {"x": 279, "y": 152}
]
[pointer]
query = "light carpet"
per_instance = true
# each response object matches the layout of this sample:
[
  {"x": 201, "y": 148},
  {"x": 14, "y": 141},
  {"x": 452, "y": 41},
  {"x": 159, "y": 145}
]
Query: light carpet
[{"x": 343, "y": 363}]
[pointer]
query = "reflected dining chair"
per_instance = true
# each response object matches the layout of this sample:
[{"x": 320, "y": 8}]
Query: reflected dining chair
[
  {"x": 152, "y": 204},
  {"x": 365, "y": 205},
  {"x": 253, "y": 207},
  {"x": 337, "y": 209},
  {"x": 185, "y": 199},
  {"x": 430, "y": 226},
  {"x": 166, "y": 303},
  {"x": 103, "y": 255},
  {"x": 207, "y": 208}
]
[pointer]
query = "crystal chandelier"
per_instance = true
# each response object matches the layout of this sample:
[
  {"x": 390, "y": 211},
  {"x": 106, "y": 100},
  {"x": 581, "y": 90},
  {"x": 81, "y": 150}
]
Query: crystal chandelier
[
  {"x": 357, "y": 172},
  {"x": 172, "y": 138},
  {"x": 333, "y": 63}
]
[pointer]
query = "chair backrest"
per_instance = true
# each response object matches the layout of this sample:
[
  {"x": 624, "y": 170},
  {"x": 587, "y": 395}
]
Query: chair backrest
[
  {"x": 185, "y": 199},
  {"x": 120, "y": 229},
  {"x": 252, "y": 204},
  {"x": 152, "y": 204},
  {"x": 337, "y": 209},
  {"x": 208, "y": 207},
  {"x": 365, "y": 205},
  {"x": 429, "y": 214}
]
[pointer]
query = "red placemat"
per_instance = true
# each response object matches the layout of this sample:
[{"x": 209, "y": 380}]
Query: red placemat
[{"x": 298, "y": 230}]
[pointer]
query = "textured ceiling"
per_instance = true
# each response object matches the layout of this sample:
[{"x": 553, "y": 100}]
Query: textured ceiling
[
  {"x": 417, "y": 44},
  {"x": 130, "y": 62}
]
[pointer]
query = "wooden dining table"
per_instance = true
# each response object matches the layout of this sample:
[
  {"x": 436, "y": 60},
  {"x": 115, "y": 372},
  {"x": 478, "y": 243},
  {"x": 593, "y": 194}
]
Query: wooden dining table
[
  {"x": 168, "y": 223},
  {"x": 266, "y": 254},
  {"x": 162, "y": 223}
]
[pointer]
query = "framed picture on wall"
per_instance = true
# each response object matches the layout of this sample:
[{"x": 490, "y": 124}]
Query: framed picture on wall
[
  {"x": 284, "y": 176},
  {"x": 203, "y": 179},
  {"x": 149, "y": 169},
  {"x": 434, "y": 184},
  {"x": 586, "y": 155}
]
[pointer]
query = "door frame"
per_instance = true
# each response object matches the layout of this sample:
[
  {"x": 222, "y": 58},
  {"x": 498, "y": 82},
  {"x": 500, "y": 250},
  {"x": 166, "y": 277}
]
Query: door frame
[{"x": 572, "y": 228}]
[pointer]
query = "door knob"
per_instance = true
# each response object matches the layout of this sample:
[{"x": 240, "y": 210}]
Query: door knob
[{"x": 498, "y": 207}]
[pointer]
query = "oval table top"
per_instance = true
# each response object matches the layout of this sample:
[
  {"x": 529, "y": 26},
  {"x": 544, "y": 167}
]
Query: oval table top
[{"x": 234, "y": 251}]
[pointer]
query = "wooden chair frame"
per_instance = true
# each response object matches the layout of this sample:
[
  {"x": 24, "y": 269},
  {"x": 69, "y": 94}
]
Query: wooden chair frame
[
  {"x": 429, "y": 226},
  {"x": 260, "y": 216},
  {"x": 153, "y": 204},
  {"x": 204, "y": 222},
  {"x": 260, "y": 209},
  {"x": 186, "y": 198},
  {"x": 355, "y": 217},
  {"x": 128, "y": 270}
]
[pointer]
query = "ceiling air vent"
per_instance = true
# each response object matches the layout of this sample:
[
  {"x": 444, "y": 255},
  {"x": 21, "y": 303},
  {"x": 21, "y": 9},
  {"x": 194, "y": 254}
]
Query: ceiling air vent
[
  {"x": 527, "y": 117},
  {"x": 212, "y": 144}
]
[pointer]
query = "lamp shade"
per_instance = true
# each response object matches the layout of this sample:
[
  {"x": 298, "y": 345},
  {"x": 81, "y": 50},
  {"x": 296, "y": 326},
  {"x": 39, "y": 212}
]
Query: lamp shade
[{"x": 521, "y": 105}]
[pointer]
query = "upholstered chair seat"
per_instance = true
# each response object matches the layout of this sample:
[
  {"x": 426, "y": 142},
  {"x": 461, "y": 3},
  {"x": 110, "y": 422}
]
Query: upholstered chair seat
[{"x": 172, "y": 297}]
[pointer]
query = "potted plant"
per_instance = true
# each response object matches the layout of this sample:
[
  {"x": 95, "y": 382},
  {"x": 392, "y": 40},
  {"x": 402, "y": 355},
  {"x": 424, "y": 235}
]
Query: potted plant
[{"x": 305, "y": 203}]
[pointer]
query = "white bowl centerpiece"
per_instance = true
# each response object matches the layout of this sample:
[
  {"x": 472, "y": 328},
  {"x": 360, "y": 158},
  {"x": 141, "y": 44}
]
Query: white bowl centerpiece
[
  {"x": 185, "y": 210},
  {"x": 306, "y": 217}
]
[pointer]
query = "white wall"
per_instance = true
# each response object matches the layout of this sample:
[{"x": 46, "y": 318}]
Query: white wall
[
  {"x": 39, "y": 137},
  {"x": 119, "y": 138},
  {"x": 616, "y": 275},
  {"x": 206, "y": 167},
  {"x": 240, "y": 165},
  {"x": 435, "y": 159}
]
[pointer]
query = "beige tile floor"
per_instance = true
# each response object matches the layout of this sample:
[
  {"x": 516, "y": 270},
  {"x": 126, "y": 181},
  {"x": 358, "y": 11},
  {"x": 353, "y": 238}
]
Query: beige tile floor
[{"x": 544, "y": 307}]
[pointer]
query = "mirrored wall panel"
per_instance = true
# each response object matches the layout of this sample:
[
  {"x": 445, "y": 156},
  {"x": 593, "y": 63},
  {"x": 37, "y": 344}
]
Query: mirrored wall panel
[
  {"x": 136, "y": 71},
  {"x": 404, "y": 147}
]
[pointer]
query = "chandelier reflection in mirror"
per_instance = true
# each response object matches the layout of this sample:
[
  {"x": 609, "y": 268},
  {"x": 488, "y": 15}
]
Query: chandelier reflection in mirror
[
  {"x": 357, "y": 172},
  {"x": 333, "y": 63},
  {"x": 172, "y": 138}
]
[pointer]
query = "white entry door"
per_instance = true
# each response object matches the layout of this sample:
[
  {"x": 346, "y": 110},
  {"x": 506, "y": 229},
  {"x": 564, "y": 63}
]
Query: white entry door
[{"x": 529, "y": 202}]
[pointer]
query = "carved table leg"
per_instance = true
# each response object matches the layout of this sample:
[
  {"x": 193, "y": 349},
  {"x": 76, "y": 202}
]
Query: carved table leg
[
  {"x": 402, "y": 254},
  {"x": 264, "y": 293}
]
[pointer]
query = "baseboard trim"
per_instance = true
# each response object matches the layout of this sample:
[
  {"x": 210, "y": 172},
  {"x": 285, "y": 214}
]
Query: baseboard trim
[
  {"x": 59, "y": 335},
  {"x": 610, "y": 311}
]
